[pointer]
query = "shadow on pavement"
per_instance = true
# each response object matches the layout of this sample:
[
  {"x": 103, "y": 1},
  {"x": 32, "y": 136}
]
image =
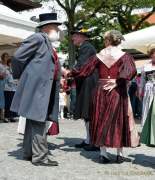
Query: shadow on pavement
[
  {"x": 18, "y": 154},
  {"x": 68, "y": 145},
  {"x": 144, "y": 160}
]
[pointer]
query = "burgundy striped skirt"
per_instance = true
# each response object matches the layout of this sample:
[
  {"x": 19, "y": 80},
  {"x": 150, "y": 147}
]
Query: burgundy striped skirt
[{"x": 109, "y": 124}]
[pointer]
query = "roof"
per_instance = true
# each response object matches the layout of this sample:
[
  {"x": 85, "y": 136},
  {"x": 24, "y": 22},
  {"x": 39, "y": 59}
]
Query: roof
[
  {"x": 20, "y": 5},
  {"x": 14, "y": 18},
  {"x": 14, "y": 28},
  {"x": 150, "y": 19}
]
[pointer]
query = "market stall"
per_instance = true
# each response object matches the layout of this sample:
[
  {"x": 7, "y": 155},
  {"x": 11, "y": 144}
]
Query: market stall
[
  {"x": 141, "y": 40},
  {"x": 13, "y": 29}
]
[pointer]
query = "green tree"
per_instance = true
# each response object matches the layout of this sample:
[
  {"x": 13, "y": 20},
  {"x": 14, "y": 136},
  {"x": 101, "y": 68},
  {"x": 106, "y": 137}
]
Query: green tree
[
  {"x": 69, "y": 6},
  {"x": 114, "y": 14},
  {"x": 121, "y": 12},
  {"x": 129, "y": 22},
  {"x": 105, "y": 15}
]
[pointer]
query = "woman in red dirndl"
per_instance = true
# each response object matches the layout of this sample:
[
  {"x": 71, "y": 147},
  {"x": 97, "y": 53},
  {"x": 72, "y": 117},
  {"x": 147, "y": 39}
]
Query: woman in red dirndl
[{"x": 112, "y": 124}]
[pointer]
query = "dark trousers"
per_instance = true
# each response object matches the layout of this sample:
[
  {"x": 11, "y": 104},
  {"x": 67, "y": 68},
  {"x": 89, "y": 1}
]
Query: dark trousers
[
  {"x": 73, "y": 100},
  {"x": 35, "y": 141},
  {"x": 65, "y": 112},
  {"x": 133, "y": 104},
  {"x": 8, "y": 100},
  {"x": 138, "y": 108}
]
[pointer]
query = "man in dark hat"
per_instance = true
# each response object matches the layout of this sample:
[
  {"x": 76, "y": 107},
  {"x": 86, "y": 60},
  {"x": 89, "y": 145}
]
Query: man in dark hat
[
  {"x": 84, "y": 86},
  {"x": 36, "y": 64}
]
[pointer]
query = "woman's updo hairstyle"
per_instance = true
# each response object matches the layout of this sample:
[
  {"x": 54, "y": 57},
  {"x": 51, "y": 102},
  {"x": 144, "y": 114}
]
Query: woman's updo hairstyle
[{"x": 115, "y": 37}]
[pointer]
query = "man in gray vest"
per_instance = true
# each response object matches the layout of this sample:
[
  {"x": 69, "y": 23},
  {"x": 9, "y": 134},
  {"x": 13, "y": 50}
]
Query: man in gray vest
[{"x": 37, "y": 97}]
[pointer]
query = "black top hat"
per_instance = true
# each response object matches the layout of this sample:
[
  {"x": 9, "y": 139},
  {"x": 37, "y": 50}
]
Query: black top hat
[{"x": 48, "y": 18}]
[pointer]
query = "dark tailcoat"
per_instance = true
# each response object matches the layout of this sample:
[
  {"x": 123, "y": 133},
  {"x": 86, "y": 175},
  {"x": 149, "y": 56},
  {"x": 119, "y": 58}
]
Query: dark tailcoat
[
  {"x": 86, "y": 85},
  {"x": 37, "y": 95}
]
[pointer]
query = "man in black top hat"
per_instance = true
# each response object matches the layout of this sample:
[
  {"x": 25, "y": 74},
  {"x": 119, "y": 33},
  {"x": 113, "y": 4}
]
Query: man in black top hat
[
  {"x": 84, "y": 86},
  {"x": 37, "y": 97}
]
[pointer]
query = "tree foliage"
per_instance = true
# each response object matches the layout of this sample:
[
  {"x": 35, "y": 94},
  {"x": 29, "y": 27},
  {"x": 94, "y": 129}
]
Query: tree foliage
[
  {"x": 121, "y": 11},
  {"x": 105, "y": 15}
]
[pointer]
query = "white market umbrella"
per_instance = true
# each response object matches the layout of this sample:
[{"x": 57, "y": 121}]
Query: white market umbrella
[
  {"x": 141, "y": 40},
  {"x": 13, "y": 28}
]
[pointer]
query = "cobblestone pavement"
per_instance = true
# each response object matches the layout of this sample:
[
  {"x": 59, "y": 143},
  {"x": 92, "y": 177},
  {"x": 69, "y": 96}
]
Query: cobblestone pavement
[{"x": 74, "y": 164}]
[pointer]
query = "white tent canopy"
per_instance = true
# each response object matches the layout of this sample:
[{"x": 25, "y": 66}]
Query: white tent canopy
[
  {"x": 141, "y": 40},
  {"x": 13, "y": 28}
]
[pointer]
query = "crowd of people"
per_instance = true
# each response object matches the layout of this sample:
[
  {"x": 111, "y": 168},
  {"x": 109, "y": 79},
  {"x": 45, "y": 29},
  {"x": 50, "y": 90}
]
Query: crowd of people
[
  {"x": 67, "y": 96},
  {"x": 8, "y": 87},
  {"x": 148, "y": 114},
  {"x": 97, "y": 89}
]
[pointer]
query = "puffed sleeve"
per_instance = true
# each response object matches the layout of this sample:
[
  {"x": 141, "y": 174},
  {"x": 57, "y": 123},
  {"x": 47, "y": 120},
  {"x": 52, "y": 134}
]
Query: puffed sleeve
[
  {"x": 87, "y": 69},
  {"x": 127, "y": 70}
]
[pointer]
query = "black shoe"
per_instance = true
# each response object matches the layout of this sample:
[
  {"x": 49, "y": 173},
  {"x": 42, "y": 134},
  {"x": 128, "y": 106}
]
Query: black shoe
[
  {"x": 48, "y": 163},
  {"x": 81, "y": 145},
  {"x": 6, "y": 120},
  {"x": 103, "y": 160},
  {"x": 27, "y": 158},
  {"x": 139, "y": 145},
  {"x": 12, "y": 120},
  {"x": 91, "y": 148},
  {"x": 121, "y": 159}
]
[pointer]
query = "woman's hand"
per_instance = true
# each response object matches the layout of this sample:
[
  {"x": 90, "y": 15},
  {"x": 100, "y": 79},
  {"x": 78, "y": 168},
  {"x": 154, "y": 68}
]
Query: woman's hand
[
  {"x": 65, "y": 72},
  {"x": 69, "y": 73},
  {"x": 111, "y": 84}
]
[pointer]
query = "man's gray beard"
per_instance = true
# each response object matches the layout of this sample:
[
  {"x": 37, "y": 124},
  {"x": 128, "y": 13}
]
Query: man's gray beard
[{"x": 55, "y": 44}]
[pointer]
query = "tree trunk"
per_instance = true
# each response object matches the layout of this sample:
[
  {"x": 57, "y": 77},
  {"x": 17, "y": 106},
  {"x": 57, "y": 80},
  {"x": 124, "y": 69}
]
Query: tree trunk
[
  {"x": 71, "y": 47},
  {"x": 71, "y": 52}
]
